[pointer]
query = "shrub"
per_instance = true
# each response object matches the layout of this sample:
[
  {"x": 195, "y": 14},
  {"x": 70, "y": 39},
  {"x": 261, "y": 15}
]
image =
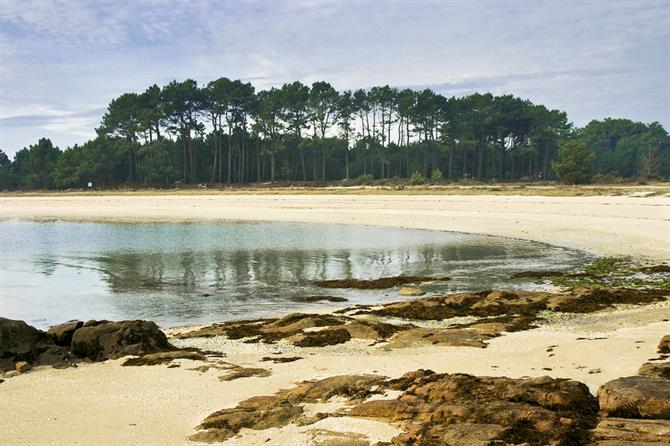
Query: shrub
[
  {"x": 436, "y": 176},
  {"x": 416, "y": 179}
]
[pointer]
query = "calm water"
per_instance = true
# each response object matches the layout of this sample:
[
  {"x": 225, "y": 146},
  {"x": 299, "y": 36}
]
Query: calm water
[{"x": 179, "y": 274}]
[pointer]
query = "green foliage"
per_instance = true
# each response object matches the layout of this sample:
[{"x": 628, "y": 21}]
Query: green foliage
[
  {"x": 225, "y": 131},
  {"x": 575, "y": 163},
  {"x": 416, "y": 179}
]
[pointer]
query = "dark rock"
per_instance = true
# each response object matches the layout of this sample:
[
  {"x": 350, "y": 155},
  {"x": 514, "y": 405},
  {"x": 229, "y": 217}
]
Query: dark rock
[
  {"x": 164, "y": 357},
  {"x": 376, "y": 284},
  {"x": 281, "y": 360},
  {"x": 324, "y": 337},
  {"x": 21, "y": 342},
  {"x": 62, "y": 333},
  {"x": 111, "y": 340},
  {"x": 636, "y": 397},
  {"x": 655, "y": 269},
  {"x": 309, "y": 299},
  {"x": 57, "y": 356}
]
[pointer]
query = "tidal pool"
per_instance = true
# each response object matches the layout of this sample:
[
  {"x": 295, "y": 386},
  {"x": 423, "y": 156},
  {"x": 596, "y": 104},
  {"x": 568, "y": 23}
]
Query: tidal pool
[{"x": 192, "y": 273}]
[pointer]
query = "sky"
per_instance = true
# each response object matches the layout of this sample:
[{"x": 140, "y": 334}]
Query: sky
[{"x": 62, "y": 61}]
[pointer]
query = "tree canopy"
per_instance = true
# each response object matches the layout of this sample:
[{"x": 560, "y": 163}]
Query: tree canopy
[{"x": 227, "y": 132}]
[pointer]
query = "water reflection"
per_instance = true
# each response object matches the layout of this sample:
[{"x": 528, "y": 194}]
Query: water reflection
[{"x": 181, "y": 274}]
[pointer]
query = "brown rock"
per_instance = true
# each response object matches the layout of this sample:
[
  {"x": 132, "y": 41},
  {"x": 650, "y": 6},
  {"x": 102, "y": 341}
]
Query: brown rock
[
  {"x": 22, "y": 366},
  {"x": 636, "y": 397},
  {"x": 323, "y": 338},
  {"x": 630, "y": 432},
  {"x": 62, "y": 333},
  {"x": 664, "y": 345},
  {"x": 163, "y": 358},
  {"x": 661, "y": 369},
  {"x": 110, "y": 340},
  {"x": 244, "y": 372}
]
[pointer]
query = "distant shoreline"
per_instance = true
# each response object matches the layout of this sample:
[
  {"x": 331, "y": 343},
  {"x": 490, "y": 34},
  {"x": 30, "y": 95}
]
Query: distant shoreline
[
  {"x": 630, "y": 225},
  {"x": 506, "y": 189}
]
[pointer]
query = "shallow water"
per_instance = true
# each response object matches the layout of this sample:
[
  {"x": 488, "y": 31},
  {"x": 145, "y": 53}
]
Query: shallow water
[{"x": 191, "y": 273}]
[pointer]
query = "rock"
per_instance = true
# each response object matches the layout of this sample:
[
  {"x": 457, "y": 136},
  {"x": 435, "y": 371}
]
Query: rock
[
  {"x": 376, "y": 284},
  {"x": 261, "y": 412},
  {"x": 281, "y": 360},
  {"x": 111, "y": 340},
  {"x": 58, "y": 357},
  {"x": 283, "y": 408},
  {"x": 411, "y": 291},
  {"x": 455, "y": 337},
  {"x": 244, "y": 372},
  {"x": 21, "y": 342},
  {"x": 164, "y": 357},
  {"x": 636, "y": 397},
  {"x": 62, "y": 333},
  {"x": 11, "y": 374},
  {"x": 661, "y": 369},
  {"x": 22, "y": 366},
  {"x": 324, "y": 337},
  {"x": 432, "y": 409},
  {"x": 630, "y": 432},
  {"x": 309, "y": 299},
  {"x": 664, "y": 345}
]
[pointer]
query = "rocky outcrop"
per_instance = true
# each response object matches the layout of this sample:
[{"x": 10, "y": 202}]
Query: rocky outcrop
[
  {"x": 489, "y": 313},
  {"x": 21, "y": 342},
  {"x": 62, "y": 334},
  {"x": 111, "y": 340},
  {"x": 432, "y": 409},
  {"x": 265, "y": 412},
  {"x": 301, "y": 329},
  {"x": 636, "y": 397}
]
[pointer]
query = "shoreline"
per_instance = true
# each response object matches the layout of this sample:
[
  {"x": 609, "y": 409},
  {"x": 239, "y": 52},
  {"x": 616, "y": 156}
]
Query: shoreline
[{"x": 605, "y": 225}]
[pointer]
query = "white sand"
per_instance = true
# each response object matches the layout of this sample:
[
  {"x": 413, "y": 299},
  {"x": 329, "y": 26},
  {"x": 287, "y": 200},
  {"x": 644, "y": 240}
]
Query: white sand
[{"x": 100, "y": 404}]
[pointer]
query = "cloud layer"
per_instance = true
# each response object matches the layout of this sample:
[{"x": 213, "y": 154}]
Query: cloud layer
[{"x": 61, "y": 62}]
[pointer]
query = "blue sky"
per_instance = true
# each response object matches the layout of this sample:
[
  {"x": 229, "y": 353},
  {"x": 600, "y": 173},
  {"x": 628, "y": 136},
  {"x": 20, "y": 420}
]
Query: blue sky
[{"x": 61, "y": 62}]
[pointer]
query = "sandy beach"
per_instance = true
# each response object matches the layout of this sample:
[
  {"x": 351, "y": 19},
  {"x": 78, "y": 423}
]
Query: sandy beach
[{"x": 105, "y": 403}]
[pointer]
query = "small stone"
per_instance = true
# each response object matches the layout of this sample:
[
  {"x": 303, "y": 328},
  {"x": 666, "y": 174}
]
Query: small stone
[
  {"x": 411, "y": 291},
  {"x": 11, "y": 374},
  {"x": 594, "y": 371},
  {"x": 22, "y": 366},
  {"x": 664, "y": 345}
]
